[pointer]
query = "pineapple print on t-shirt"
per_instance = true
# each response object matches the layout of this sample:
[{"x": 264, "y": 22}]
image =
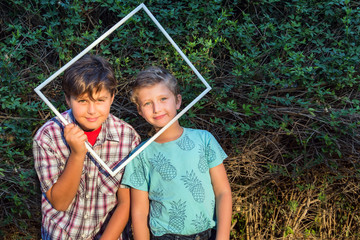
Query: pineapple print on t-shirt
[
  {"x": 177, "y": 216},
  {"x": 201, "y": 222},
  {"x": 185, "y": 143},
  {"x": 206, "y": 155},
  {"x": 137, "y": 178},
  {"x": 193, "y": 184},
  {"x": 163, "y": 166},
  {"x": 156, "y": 206}
]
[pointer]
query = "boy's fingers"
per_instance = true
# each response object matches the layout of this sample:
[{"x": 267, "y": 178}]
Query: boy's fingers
[
  {"x": 75, "y": 137},
  {"x": 72, "y": 131},
  {"x": 68, "y": 127},
  {"x": 81, "y": 136},
  {"x": 72, "y": 128}
]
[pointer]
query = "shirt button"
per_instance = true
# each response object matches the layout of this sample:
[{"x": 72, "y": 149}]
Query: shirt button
[
  {"x": 87, "y": 196},
  {"x": 86, "y": 216}
]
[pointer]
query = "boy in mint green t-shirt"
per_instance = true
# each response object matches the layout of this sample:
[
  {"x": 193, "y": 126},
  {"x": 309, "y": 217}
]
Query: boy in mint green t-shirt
[{"x": 178, "y": 183}]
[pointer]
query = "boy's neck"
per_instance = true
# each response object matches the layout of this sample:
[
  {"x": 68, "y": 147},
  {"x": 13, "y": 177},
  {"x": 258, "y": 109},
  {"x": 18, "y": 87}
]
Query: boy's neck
[{"x": 170, "y": 134}]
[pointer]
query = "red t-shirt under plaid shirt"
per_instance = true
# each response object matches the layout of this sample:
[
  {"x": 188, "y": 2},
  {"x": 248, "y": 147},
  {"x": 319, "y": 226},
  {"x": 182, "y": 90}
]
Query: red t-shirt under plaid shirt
[
  {"x": 92, "y": 136},
  {"x": 96, "y": 198}
]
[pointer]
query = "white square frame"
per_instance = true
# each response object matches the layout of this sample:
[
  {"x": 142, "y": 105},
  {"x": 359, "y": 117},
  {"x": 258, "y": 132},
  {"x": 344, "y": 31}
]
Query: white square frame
[{"x": 117, "y": 168}]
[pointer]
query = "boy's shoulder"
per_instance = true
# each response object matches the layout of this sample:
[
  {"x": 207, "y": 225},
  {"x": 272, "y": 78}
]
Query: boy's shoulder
[
  {"x": 201, "y": 135},
  {"x": 119, "y": 130},
  {"x": 118, "y": 126},
  {"x": 117, "y": 121},
  {"x": 195, "y": 131}
]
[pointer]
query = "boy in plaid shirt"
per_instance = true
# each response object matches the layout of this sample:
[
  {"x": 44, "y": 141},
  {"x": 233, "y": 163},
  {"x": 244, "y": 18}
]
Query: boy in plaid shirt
[{"x": 80, "y": 200}]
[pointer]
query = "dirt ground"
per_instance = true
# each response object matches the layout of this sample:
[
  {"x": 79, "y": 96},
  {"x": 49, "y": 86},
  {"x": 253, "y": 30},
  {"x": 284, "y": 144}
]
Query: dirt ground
[{"x": 15, "y": 233}]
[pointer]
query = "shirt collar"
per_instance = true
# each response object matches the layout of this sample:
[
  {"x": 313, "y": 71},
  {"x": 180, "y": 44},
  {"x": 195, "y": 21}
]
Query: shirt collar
[{"x": 109, "y": 129}]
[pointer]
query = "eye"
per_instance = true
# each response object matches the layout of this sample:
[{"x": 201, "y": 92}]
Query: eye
[
  {"x": 81, "y": 101},
  {"x": 146, "y": 104},
  {"x": 163, "y": 99}
]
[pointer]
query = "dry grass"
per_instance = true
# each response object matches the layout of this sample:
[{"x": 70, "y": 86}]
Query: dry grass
[{"x": 318, "y": 204}]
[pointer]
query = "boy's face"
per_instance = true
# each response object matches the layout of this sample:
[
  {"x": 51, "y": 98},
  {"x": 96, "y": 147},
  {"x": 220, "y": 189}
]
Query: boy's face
[
  {"x": 157, "y": 104},
  {"x": 90, "y": 114}
]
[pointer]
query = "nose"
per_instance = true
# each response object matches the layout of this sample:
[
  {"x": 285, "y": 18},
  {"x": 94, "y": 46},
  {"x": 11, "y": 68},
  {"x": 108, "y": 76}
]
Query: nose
[
  {"x": 156, "y": 107},
  {"x": 91, "y": 107}
]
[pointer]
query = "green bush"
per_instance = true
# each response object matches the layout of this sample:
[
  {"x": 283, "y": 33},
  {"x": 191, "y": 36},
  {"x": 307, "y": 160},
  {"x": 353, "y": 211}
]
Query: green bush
[{"x": 284, "y": 103}]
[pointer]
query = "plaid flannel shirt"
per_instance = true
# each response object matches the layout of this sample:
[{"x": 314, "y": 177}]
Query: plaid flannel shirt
[{"x": 96, "y": 199}]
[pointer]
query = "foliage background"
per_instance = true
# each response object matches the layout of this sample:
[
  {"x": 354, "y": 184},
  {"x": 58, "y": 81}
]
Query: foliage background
[{"x": 284, "y": 103}]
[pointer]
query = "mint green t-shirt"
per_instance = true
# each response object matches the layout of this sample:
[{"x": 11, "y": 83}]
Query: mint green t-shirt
[{"x": 176, "y": 176}]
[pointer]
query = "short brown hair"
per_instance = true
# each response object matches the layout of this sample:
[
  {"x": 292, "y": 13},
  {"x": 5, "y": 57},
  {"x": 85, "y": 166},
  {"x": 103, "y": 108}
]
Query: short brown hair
[
  {"x": 150, "y": 77},
  {"x": 90, "y": 73}
]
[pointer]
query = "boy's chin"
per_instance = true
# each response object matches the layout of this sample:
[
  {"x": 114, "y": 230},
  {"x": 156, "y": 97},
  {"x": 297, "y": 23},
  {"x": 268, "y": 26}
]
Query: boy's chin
[
  {"x": 157, "y": 129},
  {"x": 89, "y": 127}
]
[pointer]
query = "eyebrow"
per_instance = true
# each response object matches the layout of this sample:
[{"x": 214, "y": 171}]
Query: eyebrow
[
  {"x": 87, "y": 97},
  {"x": 102, "y": 97}
]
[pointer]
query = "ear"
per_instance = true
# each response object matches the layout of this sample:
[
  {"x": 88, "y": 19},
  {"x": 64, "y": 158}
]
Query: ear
[
  {"x": 139, "y": 110},
  {"x": 68, "y": 102},
  {"x": 178, "y": 101}
]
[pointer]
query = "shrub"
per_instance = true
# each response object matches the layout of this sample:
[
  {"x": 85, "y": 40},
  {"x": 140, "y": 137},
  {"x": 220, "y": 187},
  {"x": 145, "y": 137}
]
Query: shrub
[{"x": 284, "y": 103}]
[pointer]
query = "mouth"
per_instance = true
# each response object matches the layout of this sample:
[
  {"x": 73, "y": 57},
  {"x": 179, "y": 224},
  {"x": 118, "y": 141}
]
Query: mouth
[
  {"x": 159, "y": 117},
  {"x": 91, "y": 119}
]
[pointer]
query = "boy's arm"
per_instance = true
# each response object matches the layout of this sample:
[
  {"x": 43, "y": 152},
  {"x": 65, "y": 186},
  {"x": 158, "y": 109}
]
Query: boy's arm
[
  {"x": 140, "y": 214},
  {"x": 62, "y": 193},
  {"x": 120, "y": 216},
  {"x": 223, "y": 200}
]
